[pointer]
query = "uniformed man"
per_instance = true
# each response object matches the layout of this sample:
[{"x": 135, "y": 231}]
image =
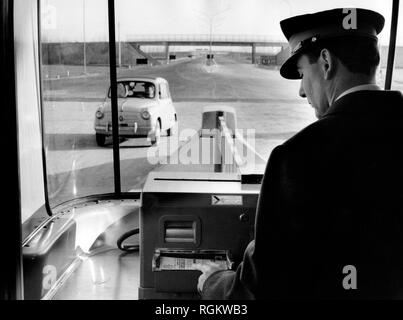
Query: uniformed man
[{"x": 329, "y": 220}]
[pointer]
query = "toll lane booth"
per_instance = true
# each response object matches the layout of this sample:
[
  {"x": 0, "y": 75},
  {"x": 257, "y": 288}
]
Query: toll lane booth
[{"x": 194, "y": 213}]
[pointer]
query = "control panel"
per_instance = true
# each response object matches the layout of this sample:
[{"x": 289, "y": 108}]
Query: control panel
[{"x": 188, "y": 218}]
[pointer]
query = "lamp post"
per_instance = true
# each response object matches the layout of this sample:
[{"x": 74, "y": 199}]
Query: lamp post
[
  {"x": 210, "y": 17},
  {"x": 211, "y": 38},
  {"x": 120, "y": 46},
  {"x": 85, "y": 53}
]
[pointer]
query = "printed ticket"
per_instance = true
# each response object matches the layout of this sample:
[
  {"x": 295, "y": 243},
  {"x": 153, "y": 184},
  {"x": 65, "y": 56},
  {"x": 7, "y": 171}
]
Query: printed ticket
[{"x": 172, "y": 263}]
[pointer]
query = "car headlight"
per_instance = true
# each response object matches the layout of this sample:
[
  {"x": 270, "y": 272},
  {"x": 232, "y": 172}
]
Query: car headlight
[
  {"x": 99, "y": 114},
  {"x": 145, "y": 115}
]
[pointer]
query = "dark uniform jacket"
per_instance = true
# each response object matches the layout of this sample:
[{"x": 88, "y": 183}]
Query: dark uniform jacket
[{"x": 331, "y": 197}]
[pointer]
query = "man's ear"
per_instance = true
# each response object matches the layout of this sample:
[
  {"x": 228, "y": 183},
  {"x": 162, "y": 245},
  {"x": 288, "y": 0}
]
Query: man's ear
[{"x": 328, "y": 63}]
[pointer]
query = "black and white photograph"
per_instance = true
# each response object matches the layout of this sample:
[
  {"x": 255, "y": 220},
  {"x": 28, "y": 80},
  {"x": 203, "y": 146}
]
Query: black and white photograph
[{"x": 201, "y": 154}]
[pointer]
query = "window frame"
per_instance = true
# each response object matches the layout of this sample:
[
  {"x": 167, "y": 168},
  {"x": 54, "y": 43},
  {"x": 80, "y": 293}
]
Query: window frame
[
  {"x": 164, "y": 92},
  {"x": 11, "y": 285}
]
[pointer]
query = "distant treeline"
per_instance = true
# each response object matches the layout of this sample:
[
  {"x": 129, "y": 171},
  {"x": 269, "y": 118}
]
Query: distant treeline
[
  {"x": 72, "y": 53},
  {"x": 97, "y": 53}
]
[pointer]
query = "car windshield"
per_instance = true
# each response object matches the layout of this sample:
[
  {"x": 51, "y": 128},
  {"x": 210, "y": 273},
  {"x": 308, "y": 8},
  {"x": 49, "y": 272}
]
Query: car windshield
[{"x": 135, "y": 89}]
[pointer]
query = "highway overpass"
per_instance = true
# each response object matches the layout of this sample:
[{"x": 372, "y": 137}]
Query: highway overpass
[{"x": 168, "y": 41}]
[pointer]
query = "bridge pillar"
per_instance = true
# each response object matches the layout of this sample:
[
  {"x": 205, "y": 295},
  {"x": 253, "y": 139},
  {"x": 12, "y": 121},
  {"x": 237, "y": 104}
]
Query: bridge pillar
[
  {"x": 167, "y": 52},
  {"x": 253, "y": 53}
]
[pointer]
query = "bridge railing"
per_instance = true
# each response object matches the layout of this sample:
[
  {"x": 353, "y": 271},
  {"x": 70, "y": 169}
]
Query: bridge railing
[{"x": 202, "y": 37}]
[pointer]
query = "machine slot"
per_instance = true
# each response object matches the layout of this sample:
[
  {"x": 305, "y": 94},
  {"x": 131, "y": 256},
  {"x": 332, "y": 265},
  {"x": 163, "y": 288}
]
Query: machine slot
[
  {"x": 180, "y": 231},
  {"x": 185, "y": 260}
]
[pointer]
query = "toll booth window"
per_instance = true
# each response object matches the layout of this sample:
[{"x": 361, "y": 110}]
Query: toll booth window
[
  {"x": 28, "y": 108},
  {"x": 220, "y": 61},
  {"x": 218, "y": 64},
  {"x": 75, "y": 80}
]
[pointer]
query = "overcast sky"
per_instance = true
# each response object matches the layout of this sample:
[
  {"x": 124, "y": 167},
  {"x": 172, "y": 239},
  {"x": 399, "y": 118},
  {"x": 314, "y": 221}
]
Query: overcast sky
[{"x": 63, "y": 20}]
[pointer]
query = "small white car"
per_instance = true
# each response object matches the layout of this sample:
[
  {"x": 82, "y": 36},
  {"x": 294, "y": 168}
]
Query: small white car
[{"x": 145, "y": 110}]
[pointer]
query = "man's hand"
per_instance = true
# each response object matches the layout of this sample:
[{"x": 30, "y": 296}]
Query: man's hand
[{"x": 207, "y": 269}]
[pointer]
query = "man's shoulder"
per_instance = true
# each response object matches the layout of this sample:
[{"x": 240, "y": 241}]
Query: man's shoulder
[
  {"x": 312, "y": 135},
  {"x": 379, "y": 102},
  {"x": 370, "y": 95},
  {"x": 353, "y": 114}
]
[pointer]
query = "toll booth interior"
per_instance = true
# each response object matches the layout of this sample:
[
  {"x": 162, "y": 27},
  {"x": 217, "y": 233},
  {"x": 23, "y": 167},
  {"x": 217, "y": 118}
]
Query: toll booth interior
[{"x": 185, "y": 214}]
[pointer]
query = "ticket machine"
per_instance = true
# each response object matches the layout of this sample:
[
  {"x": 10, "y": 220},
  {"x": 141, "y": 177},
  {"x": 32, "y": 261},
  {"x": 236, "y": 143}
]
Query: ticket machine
[
  {"x": 187, "y": 219},
  {"x": 193, "y": 214}
]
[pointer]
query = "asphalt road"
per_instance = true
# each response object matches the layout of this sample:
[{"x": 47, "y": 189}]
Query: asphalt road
[{"x": 264, "y": 102}]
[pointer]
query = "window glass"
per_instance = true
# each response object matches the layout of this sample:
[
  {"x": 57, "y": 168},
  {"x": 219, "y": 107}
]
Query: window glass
[
  {"x": 223, "y": 55},
  {"x": 168, "y": 92},
  {"x": 199, "y": 48},
  {"x": 164, "y": 91},
  {"x": 397, "y": 77},
  {"x": 75, "y": 80},
  {"x": 28, "y": 107},
  {"x": 134, "y": 89}
]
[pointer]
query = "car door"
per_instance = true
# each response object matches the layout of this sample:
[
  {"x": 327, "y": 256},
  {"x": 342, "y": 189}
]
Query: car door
[
  {"x": 169, "y": 108},
  {"x": 164, "y": 107}
]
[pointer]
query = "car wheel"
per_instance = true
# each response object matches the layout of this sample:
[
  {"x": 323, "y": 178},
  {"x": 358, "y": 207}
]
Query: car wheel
[
  {"x": 157, "y": 134},
  {"x": 100, "y": 139}
]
